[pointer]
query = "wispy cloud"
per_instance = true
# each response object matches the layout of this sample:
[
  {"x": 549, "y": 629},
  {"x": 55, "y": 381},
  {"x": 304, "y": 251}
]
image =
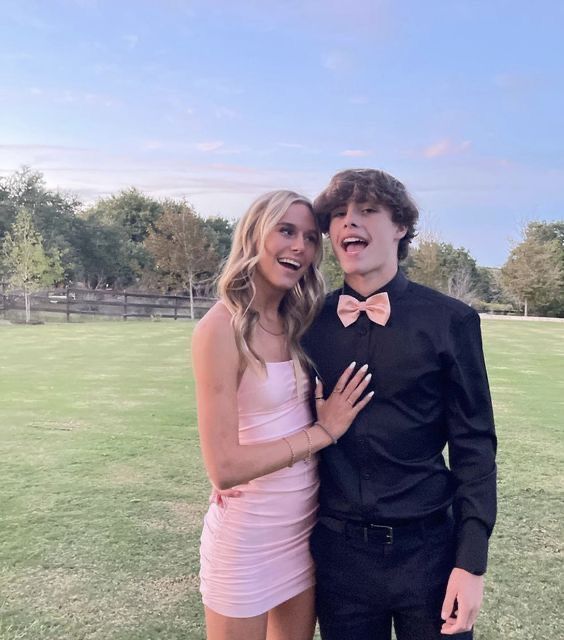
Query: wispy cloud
[
  {"x": 337, "y": 61},
  {"x": 131, "y": 40},
  {"x": 358, "y": 100},
  {"x": 356, "y": 153},
  {"x": 446, "y": 147},
  {"x": 224, "y": 113},
  {"x": 291, "y": 145},
  {"x": 212, "y": 145}
]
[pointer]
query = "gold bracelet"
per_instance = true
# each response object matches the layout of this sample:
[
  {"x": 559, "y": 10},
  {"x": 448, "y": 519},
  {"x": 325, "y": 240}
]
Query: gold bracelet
[
  {"x": 309, "y": 447},
  {"x": 333, "y": 439},
  {"x": 292, "y": 452}
]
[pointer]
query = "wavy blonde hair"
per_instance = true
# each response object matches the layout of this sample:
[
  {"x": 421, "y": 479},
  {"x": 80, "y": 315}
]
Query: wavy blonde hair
[{"x": 237, "y": 289}]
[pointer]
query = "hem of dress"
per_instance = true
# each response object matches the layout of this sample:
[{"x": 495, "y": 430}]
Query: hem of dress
[{"x": 259, "y": 609}]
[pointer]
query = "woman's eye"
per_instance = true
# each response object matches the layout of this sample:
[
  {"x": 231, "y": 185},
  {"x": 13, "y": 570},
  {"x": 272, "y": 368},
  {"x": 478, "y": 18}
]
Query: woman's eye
[{"x": 286, "y": 231}]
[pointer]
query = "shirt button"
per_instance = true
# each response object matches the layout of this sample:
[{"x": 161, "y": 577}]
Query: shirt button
[
  {"x": 366, "y": 475},
  {"x": 362, "y": 331}
]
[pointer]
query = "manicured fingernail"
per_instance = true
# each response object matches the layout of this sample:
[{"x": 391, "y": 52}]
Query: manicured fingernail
[
  {"x": 352, "y": 365},
  {"x": 367, "y": 377},
  {"x": 371, "y": 393},
  {"x": 364, "y": 367},
  {"x": 316, "y": 380}
]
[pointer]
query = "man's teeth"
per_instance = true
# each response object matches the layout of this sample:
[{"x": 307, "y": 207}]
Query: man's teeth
[{"x": 354, "y": 240}]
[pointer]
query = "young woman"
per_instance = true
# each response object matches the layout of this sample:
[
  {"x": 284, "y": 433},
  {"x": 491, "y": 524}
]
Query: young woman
[{"x": 256, "y": 427}]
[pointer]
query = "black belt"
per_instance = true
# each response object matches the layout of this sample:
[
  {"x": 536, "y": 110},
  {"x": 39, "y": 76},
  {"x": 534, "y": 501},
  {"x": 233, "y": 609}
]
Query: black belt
[{"x": 384, "y": 533}]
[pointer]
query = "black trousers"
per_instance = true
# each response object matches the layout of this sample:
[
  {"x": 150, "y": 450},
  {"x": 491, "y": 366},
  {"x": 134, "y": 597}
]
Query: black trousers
[{"x": 369, "y": 578}]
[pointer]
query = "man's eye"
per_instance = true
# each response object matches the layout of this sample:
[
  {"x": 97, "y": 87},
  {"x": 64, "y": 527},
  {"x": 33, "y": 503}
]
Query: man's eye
[
  {"x": 369, "y": 210},
  {"x": 337, "y": 214}
]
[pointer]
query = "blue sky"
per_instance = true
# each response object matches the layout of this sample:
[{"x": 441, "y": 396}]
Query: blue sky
[{"x": 220, "y": 101}]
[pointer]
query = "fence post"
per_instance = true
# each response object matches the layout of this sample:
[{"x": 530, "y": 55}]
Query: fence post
[
  {"x": 176, "y": 307},
  {"x": 68, "y": 304},
  {"x": 4, "y": 300},
  {"x": 125, "y": 305}
]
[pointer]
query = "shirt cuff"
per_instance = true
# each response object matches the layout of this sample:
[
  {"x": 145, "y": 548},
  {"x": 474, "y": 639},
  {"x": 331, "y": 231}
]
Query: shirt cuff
[{"x": 472, "y": 547}]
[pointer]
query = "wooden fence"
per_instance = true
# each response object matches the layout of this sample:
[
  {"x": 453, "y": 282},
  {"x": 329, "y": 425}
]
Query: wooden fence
[{"x": 123, "y": 304}]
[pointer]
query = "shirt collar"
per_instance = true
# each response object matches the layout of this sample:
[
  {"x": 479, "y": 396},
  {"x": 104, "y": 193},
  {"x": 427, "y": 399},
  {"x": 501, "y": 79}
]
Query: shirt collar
[{"x": 394, "y": 288}]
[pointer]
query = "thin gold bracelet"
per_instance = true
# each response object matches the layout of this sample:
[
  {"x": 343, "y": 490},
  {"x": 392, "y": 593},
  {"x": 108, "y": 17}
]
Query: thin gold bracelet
[
  {"x": 334, "y": 440},
  {"x": 292, "y": 452},
  {"x": 309, "y": 447}
]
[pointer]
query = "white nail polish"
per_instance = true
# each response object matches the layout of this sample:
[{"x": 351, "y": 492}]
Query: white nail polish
[
  {"x": 352, "y": 365},
  {"x": 364, "y": 367},
  {"x": 368, "y": 377}
]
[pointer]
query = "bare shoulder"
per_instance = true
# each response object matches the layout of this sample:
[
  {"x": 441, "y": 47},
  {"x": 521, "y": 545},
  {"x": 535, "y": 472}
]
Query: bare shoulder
[{"x": 213, "y": 337}]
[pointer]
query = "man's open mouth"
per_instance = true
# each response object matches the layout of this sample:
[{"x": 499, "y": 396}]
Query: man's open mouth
[
  {"x": 288, "y": 263},
  {"x": 353, "y": 244}
]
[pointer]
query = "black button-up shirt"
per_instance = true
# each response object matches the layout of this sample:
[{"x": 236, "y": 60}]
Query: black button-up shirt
[{"x": 431, "y": 388}]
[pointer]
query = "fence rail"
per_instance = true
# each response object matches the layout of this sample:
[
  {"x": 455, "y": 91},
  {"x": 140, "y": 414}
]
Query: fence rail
[{"x": 124, "y": 304}]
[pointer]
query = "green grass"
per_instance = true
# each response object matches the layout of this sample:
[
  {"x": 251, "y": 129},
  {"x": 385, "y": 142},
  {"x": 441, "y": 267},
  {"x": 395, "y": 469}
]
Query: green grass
[{"x": 102, "y": 487}]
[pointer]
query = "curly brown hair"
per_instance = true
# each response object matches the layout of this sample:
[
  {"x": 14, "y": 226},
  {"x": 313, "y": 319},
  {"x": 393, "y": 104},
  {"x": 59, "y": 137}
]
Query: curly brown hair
[{"x": 369, "y": 185}]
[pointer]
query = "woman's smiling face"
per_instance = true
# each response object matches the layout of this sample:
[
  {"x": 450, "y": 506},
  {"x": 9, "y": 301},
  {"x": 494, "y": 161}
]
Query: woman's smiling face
[{"x": 289, "y": 249}]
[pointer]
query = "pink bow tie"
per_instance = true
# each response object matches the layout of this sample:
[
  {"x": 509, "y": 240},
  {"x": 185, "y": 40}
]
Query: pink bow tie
[{"x": 377, "y": 308}]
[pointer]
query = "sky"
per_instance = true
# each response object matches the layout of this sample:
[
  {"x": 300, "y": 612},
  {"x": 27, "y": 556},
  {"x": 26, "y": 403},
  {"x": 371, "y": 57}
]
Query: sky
[{"x": 219, "y": 101}]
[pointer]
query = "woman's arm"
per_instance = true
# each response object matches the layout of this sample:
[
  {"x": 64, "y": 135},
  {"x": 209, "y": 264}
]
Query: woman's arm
[{"x": 216, "y": 365}]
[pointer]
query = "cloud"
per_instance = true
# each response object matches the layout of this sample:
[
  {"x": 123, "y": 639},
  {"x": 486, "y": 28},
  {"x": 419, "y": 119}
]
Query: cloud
[
  {"x": 446, "y": 147},
  {"x": 131, "y": 40},
  {"x": 212, "y": 145},
  {"x": 337, "y": 61},
  {"x": 356, "y": 153},
  {"x": 358, "y": 100},
  {"x": 224, "y": 113},
  {"x": 291, "y": 145}
]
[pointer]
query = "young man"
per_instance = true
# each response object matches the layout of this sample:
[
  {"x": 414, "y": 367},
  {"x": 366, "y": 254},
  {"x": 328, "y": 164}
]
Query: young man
[{"x": 401, "y": 536}]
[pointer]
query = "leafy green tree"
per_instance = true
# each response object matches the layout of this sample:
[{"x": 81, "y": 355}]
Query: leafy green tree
[
  {"x": 330, "y": 268},
  {"x": 221, "y": 234},
  {"x": 534, "y": 271},
  {"x": 446, "y": 268},
  {"x": 53, "y": 214},
  {"x": 181, "y": 249},
  {"x": 25, "y": 263},
  {"x": 125, "y": 219}
]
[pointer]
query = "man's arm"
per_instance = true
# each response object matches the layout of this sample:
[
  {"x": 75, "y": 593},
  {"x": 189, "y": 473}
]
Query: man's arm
[{"x": 472, "y": 448}]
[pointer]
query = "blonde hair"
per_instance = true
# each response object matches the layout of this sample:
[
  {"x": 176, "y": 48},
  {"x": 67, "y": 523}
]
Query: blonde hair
[{"x": 237, "y": 289}]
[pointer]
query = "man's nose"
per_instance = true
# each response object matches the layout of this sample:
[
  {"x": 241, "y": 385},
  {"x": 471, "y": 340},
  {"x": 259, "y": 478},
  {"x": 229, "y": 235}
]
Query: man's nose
[{"x": 351, "y": 217}]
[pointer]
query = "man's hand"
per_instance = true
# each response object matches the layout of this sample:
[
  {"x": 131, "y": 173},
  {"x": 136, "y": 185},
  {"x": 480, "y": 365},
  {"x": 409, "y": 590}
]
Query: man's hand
[{"x": 462, "y": 601}]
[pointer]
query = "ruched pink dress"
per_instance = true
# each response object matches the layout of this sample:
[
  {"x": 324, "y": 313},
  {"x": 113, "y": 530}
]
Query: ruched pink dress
[{"x": 254, "y": 551}]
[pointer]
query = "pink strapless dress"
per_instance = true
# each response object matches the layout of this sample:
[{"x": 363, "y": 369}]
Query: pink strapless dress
[{"x": 254, "y": 551}]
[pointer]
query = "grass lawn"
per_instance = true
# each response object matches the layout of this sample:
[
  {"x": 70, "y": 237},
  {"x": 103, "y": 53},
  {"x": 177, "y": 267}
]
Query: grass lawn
[{"x": 102, "y": 487}]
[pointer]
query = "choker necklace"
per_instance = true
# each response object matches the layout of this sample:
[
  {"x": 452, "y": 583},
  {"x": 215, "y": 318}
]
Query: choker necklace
[{"x": 267, "y": 331}]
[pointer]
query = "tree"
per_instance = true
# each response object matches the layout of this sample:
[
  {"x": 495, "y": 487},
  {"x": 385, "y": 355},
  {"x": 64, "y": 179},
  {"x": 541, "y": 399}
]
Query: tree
[
  {"x": 221, "y": 234},
  {"x": 53, "y": 215},
  {"x": 448, "y": 269},
  {"x": 423, "y": 264},
  {"x": 122, "y": 221},
  {"x": 330, "y": 267},
  {"x": 181, "y": 249},
  {"x": 26, "y": 264},
  {"x": 534, "y": 271}
]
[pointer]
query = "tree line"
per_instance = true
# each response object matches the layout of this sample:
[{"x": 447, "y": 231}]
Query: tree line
[{"x": 130, "y": 240}]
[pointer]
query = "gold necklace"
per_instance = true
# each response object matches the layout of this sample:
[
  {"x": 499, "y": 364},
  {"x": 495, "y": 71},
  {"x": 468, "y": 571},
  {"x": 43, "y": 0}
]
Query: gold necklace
[{"x": 267, "y": 331}]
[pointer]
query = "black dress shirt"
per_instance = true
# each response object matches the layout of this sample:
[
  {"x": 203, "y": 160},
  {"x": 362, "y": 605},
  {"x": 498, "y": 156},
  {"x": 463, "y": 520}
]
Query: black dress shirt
[{"x": 431, "y": 389}]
